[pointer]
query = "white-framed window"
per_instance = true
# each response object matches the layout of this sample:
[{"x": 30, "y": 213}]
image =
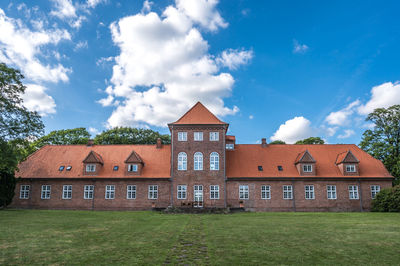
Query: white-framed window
[
  {"x": 350, "y": 168},
  {"x": 198, "y": 136},
  {"x": 243, "y": 192},
  {"x": 265, "y": 192},
  {"x": 67, "y": 192},
  {"x": 214, "y": 161},
  {"x": 131, "y": 192},
  {"x": 375, "y": 190},
  {"x": 331, "y": 191},
  {"x": 110, "y": 192},
  {"x": 24, "y": 191},
  {"x": 309, "y": 192},
  {"x": 90, "y": 168},
  {"x": 182, "y": 161},
  {"x": 353, "y": 192},
  {"x": 182, "y": 136},
  {"x": 88, "y": 191},
  {"x": 307, "y": 168},
  {"x": 181, "y": 192},
  {"x": 46, "y": 192},
  {"x": 214, "y": 136},
  {"x": 287, "y": 192},
  {"x": 230, "y": 146},
  {"x": 153, "y": 192},
  {"x": 198, "y": 161},
  {"x": 214, "y": 192},
  {"x": 132, "y": 167}
]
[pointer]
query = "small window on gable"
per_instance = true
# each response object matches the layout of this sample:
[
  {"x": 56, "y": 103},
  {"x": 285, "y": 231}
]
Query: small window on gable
[
  {"x": 230, "y": 146},
  {"x": 132, "y": 168},
  {"x": 280, "y": 168},
  {"x": 115, "y": 168},
  {"x": 260, "y": 168},
  {"x": 90, "y": 168},
  {"x": 69, "y": 167},
  {"x": 350, "y": 168},
  {"x": 307, "y": 168},
  {"x": 61, "y": 168}
]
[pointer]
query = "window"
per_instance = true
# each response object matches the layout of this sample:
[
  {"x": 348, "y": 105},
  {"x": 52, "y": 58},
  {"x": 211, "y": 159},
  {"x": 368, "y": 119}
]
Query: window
[
  {"x": 181, "y": 192},
  {"x": 182, "y": 136},
  {"x": 46, "y": 190},
  {"x": 214, "y": 136},
  {"x": 309, "y": 192},
  {"x": 153, "y": 192},
  {"x": 115, "y": 168},
  {"x": 88, "y": 192},
  {"x": 244, "y": 192},
  {"x": 230, "y": 146},
  {"x": 24, "y": 191},
  {"x": 353, "y": 192},
  {"x": 198, "y": 136},
  {"x": 214, "y": 161},
  {"x": 110, "y": 192},
  {"x": 260, "y": 168},
  {"x": 350, "y": 168},
  {"x": 280, "y": 168},
  {"x": 61, "y": 168},
  {"x": 67, "y": 192},
  {"x": 307, "y": 168},
  {"x": 182, "y": 161},
  {"x": 265, "y": 192},
  {"x": 132, "y": 167},
  {"x": 69, "y": 167},
  {"x": 331, "y": 191},
  {"x": 287, "y": 192},
  {"x": 375, "y": 190},
  {"x": 131, "y": 192},
  {"x": 198, "y": 161},
  {"x": 90, "y": 168},
  {"x": 214, "y": 192}
]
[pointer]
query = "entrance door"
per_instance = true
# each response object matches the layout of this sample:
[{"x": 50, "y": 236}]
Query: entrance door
[{"x": 198, "y": 196}]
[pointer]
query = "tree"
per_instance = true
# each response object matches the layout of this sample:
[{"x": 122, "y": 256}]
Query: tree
[
  {"x": 128, "y": 135},
  {"x": 278, "y": 142},
  {"x": 311, "y": 140},
  {"x": 383, "y": 141}
]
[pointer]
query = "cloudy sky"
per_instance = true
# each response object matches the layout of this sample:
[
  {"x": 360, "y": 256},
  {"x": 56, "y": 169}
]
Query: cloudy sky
[{"x": 276, "y": 69}]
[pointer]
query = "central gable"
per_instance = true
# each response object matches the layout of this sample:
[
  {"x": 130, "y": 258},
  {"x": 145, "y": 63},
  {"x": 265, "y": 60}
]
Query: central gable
[{"x": 198, "y": 114}]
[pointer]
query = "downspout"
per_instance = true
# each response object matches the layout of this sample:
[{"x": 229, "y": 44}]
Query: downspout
[
  {"x": 172, "y": 167},
  {"x": 361, "y": 201},
  {"x": 294, "y": 196},
  {"x": 224, "y": 147}
]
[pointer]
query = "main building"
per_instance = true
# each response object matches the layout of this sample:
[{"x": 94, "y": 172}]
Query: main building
[{"x": 203, "y": 167}]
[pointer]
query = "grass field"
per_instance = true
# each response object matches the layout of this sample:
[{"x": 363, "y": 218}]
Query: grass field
[{"x": 84, "y": 237}]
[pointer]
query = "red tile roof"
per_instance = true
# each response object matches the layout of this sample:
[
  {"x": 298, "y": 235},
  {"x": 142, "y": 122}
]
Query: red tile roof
[
  {"x": 46, "y": 161},
  {"x": 230, "y": 137},
  {"x": 198, "y": 114},
  {"x": 245, "y": 159}
]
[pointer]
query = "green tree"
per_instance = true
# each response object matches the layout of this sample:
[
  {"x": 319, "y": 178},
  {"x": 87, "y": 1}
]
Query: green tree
[
  {"x": 383, "y": 141},
  {"x": 278, "y": 142},
  {"x": 311, "y": 140},
  {"x": 128, "y": 135}
]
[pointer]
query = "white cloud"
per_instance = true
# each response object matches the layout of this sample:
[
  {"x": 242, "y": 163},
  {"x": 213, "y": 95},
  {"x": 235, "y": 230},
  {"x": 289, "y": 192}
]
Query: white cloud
[
  {"x": 94, "y": 3},
  {"x": 251, "y": 117},
  {"x": 36, "y": 99},
  {"x": 342, "y": 117},
  {"x": 146, "y": 6},
  {"x": 164, "y": 67},
  {"x": 293, "y": 130},
  {"x": 347, "y": 133},
  {"x": 93, "y": 130},
  {"x": 81, "y": 45},
  {"x": 234, "y": 58},
  {"x": 383, "y": 96},
  {"x": 299, "y": 48},
  {"x": 104, "y": 60},
  {"x": 63, "y": 9}
]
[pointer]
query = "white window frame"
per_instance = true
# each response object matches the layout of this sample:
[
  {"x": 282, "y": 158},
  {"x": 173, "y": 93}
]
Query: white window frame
[
  {"x": 375, "y": 189},
  {"x": 198, "y": 161},
  {"x": 307, "y": 168},
  {"x": 181, "y": 192},
  {"x": 266, "y": 192},
  {"x": 214, "y": 136},
  {"x": 133, "y": 167},
  {"x": 24, "y": 191},
  {"x": 353, "y": 192},
  {"x": 287, "y": 192},
  {"x": 331, "y": 192},
  {"x": 214, "y": 161},
  {"x": 45, "y": 192},
  {"x": 153, "y": 192},
  {"x": 198, "y": 136},
  {"x": 131, "y": 192},
  {"x": 110, "y": 192},
  {"x": 214, "y": 191},
  {"x": 351, "y": 168},
  {"x": 309, "y": 193},
  {"x": 182, "y": 136},
  {"x": 67, "y": 192},
  {"x": 244, "y": 193},
  {"x": 88, "y": 191},
  {"x": 230, "y": 146},
  {"x": 90, "y": 168},
  {"x": 182, "y": 161}
]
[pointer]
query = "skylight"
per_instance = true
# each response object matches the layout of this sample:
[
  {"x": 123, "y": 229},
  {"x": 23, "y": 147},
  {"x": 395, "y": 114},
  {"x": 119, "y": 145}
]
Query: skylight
[
  {"x": 260, "y": 168},
  {"x": 61, "y": 168},
  {"x": 69, "y": 167},
  {"x": 115, "y": 168},
  {"x": 280, "y": 168}
]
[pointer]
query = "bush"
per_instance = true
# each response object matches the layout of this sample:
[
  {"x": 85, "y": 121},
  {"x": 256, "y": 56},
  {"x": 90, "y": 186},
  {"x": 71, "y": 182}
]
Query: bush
[{"x": 387, "y": 200}]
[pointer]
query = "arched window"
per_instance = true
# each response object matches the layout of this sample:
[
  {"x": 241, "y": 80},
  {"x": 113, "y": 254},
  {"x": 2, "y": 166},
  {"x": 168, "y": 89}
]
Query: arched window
[
  {"x": 198, "y": 161},
  {"x": 182, "y": 161},
  {"x": 214, "y": 161}
]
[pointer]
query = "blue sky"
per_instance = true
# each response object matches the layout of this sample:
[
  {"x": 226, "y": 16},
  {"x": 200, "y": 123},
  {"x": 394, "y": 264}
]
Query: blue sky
[{"x": 276, "y": 69}]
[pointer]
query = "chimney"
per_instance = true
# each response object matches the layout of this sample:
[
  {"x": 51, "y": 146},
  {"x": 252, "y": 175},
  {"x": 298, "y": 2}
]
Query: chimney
[
  {"x": 263, "y": 142},
  {"x": 90, "y": 142},
  {"x": 159, "y": 143}
]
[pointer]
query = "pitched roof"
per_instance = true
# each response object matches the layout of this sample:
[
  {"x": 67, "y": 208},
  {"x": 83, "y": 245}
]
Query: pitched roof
[
  {"x": 230, "y": 137},
  {"x": 245, "y": 159},
  {"x": 45, "y": 162},
  {"x": 304, "y": 157},
  {"x": 133, "y": 158},
  {"x": 346, "y": 157},
  {"x": 93, "y": 157},
  {"x": 198, "y": 114}
]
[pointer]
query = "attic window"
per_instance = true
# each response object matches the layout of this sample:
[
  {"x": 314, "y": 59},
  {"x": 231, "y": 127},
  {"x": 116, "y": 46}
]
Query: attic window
[
  {"x": 351, "y": 168},
  {"x": 69, "y": 167},
  {"x": 260, "y": 168},
  {"x": 61, "y": 168},
  {"x": 115, "y": 168},
  {"x": 280, "y": 168},
  {"x": 132, "y": 168}
]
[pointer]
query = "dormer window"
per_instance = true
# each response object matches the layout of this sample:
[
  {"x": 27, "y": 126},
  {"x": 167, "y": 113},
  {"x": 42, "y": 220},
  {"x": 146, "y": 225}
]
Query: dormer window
[
  {"x": 182, "y": 136},
  {"x": 90, "y": 168},
  {"x": 307, "y": 168},
  {"x": 230, "y": 146},
  {"x": 134, "y": 164},
  {"x": 132, "y": 168},
  {"x": 350, "y": 168}
]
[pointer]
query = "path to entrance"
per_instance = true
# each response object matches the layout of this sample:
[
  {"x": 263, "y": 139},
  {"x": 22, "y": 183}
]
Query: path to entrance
[{"x": 191, "y": 248}]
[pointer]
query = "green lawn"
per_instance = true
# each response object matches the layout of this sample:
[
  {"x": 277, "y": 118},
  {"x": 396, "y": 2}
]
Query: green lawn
[{"x": 84, "y": 237}]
